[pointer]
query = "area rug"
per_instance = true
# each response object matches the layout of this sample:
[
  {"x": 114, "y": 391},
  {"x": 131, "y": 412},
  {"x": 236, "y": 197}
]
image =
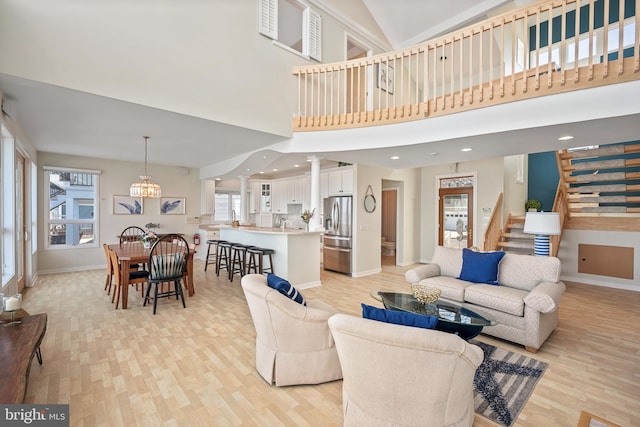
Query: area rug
[{"x": 503, "y": 383}]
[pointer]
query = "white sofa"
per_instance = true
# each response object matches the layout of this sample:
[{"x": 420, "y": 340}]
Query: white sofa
[
  {"x": 524, "y": 304},
  {"x": 403, "y": 376}
]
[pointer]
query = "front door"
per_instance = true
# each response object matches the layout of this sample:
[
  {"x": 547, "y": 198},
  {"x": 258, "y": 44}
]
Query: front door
[{"x": 455, "y": 217}]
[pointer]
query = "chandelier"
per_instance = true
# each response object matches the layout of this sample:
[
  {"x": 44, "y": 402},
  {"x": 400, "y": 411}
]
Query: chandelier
[{"x": 145, "y": 188}]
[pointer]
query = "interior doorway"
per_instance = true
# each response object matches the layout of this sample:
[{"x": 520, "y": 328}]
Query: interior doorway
[
  {"x": 389, "y": 226},
  {"x": 357, "y": 78}
]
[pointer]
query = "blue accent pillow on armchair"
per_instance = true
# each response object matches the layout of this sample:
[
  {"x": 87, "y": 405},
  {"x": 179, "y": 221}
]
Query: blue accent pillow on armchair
[
  {"x": 285, "y": 288},
  {"x": 399, "y": 317},
  {"x": 480, "y": 267}
]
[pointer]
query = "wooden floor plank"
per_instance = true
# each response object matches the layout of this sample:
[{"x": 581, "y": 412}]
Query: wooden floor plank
[{"x": 196, "y": 366}]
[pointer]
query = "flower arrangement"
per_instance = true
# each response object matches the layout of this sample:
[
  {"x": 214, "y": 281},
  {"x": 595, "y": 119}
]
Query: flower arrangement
[
  {"x": 148, "y": 238},
  {"x": 307, "y": 215}
]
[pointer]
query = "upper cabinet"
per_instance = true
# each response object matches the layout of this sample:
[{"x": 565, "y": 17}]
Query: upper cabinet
[
  {"x": 279, "y": 196},
  {"x": 297, "y": 188},
  {"x": 340, "y": 182},
  {"x": 207, "y": 196}
]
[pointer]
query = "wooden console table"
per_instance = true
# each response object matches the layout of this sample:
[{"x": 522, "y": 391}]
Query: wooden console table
[{"x": 18, "y": 344}]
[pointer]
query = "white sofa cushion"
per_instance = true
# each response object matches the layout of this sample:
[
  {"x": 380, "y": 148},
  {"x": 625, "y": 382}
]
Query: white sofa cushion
[
  {"x": 449, "y": 260},
  {"x": 502, "y": 298},
  {"x": 451, "y": 288},
  {"x": 526, "y": 272}
]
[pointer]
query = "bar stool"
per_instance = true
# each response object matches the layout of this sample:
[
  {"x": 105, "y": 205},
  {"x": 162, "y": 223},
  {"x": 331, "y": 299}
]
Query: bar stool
[
  {"x": 238, "y": 260},
  {"x": 255, "y": 262},
  {"x": 223, "y": 260},
  {"x": 212, "y": 258}
]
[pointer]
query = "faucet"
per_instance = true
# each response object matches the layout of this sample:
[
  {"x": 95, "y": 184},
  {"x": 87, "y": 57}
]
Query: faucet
[
  {"x": 233, "y": 215},
  {"x": 284, "y": 223}
]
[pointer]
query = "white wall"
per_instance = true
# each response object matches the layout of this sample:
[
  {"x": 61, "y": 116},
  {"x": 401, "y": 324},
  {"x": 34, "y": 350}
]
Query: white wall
[
  {"x": 234, "y": 73},
  {"x": 115, "y": 179}
]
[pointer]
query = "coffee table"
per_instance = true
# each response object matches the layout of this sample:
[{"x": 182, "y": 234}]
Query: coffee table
[{"x": 452, "y": 318}]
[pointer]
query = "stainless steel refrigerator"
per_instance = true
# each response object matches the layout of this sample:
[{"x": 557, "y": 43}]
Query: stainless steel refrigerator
[{"x": 338, "y": 214}]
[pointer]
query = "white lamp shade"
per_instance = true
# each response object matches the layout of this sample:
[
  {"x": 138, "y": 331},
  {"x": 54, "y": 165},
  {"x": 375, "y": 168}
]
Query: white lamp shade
[{"x": 542, "y": 223}]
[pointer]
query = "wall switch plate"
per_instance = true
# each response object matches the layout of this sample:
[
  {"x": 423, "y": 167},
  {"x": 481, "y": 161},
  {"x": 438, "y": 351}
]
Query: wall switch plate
[{"x": 192, "y": 220}]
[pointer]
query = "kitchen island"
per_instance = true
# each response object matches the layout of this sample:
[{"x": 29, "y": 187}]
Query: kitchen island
[{"x": 297, "y": 252}]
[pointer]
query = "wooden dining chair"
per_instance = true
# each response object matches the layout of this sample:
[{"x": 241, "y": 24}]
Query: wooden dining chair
[
  {"x": 110, "y": 273},
  {"x": 131, "y": 234},
  {"x": 167, "y": 264},
  {"x": 137, "y": 277}
]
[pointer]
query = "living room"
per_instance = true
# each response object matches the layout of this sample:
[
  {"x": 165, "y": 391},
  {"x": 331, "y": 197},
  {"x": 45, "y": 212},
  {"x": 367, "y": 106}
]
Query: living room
[{"x": 100, "y": 76}]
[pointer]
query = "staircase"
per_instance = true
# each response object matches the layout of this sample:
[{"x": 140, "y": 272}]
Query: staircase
[
  {"x": 602, "y": 181},
  {"x": 513, "y": 239}
]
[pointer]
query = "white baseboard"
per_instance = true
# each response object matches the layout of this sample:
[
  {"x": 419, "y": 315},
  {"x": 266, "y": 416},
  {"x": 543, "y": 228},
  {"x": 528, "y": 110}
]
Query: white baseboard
[{"x": 73, "y": 269}]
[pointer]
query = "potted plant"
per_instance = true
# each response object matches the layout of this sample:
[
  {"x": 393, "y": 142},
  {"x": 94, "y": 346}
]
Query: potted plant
[{"x": 533, "y": 205}]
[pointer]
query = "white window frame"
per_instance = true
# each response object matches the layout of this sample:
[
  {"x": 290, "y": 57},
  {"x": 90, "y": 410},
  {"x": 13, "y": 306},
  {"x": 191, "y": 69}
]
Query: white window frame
[
  {"x": 95, "y": 221},
  {"x": 217, "y": 216},
  {"x": 7, "y": 207},
  {"x": 311, "y": 28}
]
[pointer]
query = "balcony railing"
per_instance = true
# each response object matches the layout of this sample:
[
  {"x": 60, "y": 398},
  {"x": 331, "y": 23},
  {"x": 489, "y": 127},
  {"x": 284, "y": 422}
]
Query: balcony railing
[{"x": 542, "y": 49}]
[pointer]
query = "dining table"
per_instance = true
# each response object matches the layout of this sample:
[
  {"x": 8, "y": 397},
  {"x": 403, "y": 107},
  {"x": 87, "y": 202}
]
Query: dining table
[{"x": 135, "y": 253}]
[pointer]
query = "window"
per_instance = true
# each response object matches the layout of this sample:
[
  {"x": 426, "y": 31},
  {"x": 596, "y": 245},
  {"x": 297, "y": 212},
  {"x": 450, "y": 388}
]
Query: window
[
  {"x": 72, "y": 208},
  {"x": 7, "y": 219},
  {"x": 293, "y": 25},
  {"x": 227, "y": 206}
]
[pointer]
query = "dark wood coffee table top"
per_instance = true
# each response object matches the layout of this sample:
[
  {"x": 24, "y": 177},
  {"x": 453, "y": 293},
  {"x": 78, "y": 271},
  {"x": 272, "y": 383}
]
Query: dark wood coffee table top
[{"x": 18, "y": 344}]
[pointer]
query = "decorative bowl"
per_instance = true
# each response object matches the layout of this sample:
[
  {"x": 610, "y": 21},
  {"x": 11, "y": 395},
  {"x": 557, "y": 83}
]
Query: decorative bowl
[{"x": 425, "y": 294}]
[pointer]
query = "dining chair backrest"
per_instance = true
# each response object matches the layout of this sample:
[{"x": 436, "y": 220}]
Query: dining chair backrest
[
  {"x": 168, "y": 258},
  {"x": 107, "y": 254},
  {"x": 131, "y": 234}
]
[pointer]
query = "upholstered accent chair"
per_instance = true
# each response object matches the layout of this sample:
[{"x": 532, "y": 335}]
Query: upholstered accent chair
[
  {"x": 402, "y": 375},
  {"x": 293, "y": 341}
]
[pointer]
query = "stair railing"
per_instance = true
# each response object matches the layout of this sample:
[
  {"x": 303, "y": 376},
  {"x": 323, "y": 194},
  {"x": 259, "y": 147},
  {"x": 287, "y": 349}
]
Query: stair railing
[{"x": 493, "y": 232}]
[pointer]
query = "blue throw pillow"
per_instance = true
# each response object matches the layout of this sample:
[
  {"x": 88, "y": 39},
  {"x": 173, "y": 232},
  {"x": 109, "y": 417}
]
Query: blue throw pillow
[
  {"x": 480, "y": 267},
  {"x": 285, "y": 288},
  {"x": 399, "y": 317}
]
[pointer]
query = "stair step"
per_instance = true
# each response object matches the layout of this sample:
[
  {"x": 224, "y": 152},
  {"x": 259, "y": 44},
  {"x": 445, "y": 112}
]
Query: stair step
[
  {"x": 518, "y": 235},
  {"x": 518, "y": 245},
  {"x": 515, "y": 225}
]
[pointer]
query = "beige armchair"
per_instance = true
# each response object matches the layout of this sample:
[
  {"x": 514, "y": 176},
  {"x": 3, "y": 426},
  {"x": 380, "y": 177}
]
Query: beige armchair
[
  {"x": 401, "y": 375},
  {"x": 293, "y": 342}
]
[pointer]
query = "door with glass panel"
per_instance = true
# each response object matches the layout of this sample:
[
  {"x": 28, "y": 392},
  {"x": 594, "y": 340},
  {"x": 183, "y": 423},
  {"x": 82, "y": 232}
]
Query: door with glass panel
[{"x": 455, "y": 215}]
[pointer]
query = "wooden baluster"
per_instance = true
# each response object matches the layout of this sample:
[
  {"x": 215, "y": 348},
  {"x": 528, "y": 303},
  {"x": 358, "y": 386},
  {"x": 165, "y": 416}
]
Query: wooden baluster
[
  {"x": 471, "y": 67},
  {"x": 576, "y": 63},
  {"x": 636, "y": 51},
  {"x": 525, "y": 61},
  {"x": 502, "y": 59},
  {"x": 591, "y": 35},
  {"x": 605, "y": 41},
  {"x": 491, "y": 61},
  {"x": 549, "y": 46},
  {"x": 513, "y": 55},
  {"x": 563, "y": 44},
  {"x": 538, "y": 44},
  {"x": 621, "y": 38},
  {"x": 461, "y": 68},
  {"x": 481, "y": 65}
]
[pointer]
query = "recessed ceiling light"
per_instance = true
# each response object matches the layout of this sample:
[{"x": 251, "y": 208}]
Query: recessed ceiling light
[
  {"x": 296, "y": 166},
  {"x": 466, "y": 149},
  {"x": 275, "y": 169},
  {"x": 565, "y": 138},
  {"x": 394, "y": 157},
  {"x": 248, "y": 170},
  {"x": 218, "y": 179},
  {"x": 264, "y": 157},
  {"x": 434, "y": 153},
  {"x": 261, "y": 171}
]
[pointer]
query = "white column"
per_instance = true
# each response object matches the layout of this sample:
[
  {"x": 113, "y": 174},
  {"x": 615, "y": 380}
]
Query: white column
[
  {"x": 316, "y": 221},
  {"x": 244, "y": 200}
]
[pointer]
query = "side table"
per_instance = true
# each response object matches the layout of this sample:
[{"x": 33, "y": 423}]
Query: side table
[{"x": 20, "y": 342}]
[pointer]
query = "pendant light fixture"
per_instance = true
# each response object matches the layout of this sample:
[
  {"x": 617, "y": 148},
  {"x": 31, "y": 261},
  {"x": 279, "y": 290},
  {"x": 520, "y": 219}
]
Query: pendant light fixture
[{"x": 145, "y": 188}]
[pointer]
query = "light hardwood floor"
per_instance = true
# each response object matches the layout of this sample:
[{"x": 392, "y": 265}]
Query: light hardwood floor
[{"x": 195, "y": 366}]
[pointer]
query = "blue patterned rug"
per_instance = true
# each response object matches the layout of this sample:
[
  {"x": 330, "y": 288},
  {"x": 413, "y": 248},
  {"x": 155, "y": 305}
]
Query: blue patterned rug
[{"x": 503, "y": 383}]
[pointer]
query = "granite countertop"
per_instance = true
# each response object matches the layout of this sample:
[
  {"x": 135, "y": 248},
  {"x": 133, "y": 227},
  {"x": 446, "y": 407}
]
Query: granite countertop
[{"x": 271, "y": 230}]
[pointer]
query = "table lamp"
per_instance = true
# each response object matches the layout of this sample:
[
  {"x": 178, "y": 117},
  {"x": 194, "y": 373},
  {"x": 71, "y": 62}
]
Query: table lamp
[{"x": 543, "y": 225}]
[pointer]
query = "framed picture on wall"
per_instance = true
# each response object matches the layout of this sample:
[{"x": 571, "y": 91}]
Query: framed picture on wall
[
  {"x": 386, "y": 77},
  {"x": 172, "y": 206},
  {"x": 126, "y": 205}
]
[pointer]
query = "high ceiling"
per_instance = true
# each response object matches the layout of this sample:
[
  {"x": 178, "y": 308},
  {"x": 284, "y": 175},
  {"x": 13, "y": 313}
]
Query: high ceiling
[{"x": 66, "y": 121}]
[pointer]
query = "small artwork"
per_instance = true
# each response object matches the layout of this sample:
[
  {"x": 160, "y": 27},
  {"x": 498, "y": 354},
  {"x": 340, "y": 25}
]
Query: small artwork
[
  {"x": 386, "y": 78},
  {"x": 172, "y": 206},
  {"x": 126, "y": 205}
]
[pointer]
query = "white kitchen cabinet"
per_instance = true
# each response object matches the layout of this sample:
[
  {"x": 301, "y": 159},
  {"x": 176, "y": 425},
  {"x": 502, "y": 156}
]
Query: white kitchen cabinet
[
  {"x": 340, "y": 182},
  {"x": 207, "y": 196},
  {"x": 255, "y": 197},
  {"x": 279, "y": 197},
  {"x": 295, "y": 189}
]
